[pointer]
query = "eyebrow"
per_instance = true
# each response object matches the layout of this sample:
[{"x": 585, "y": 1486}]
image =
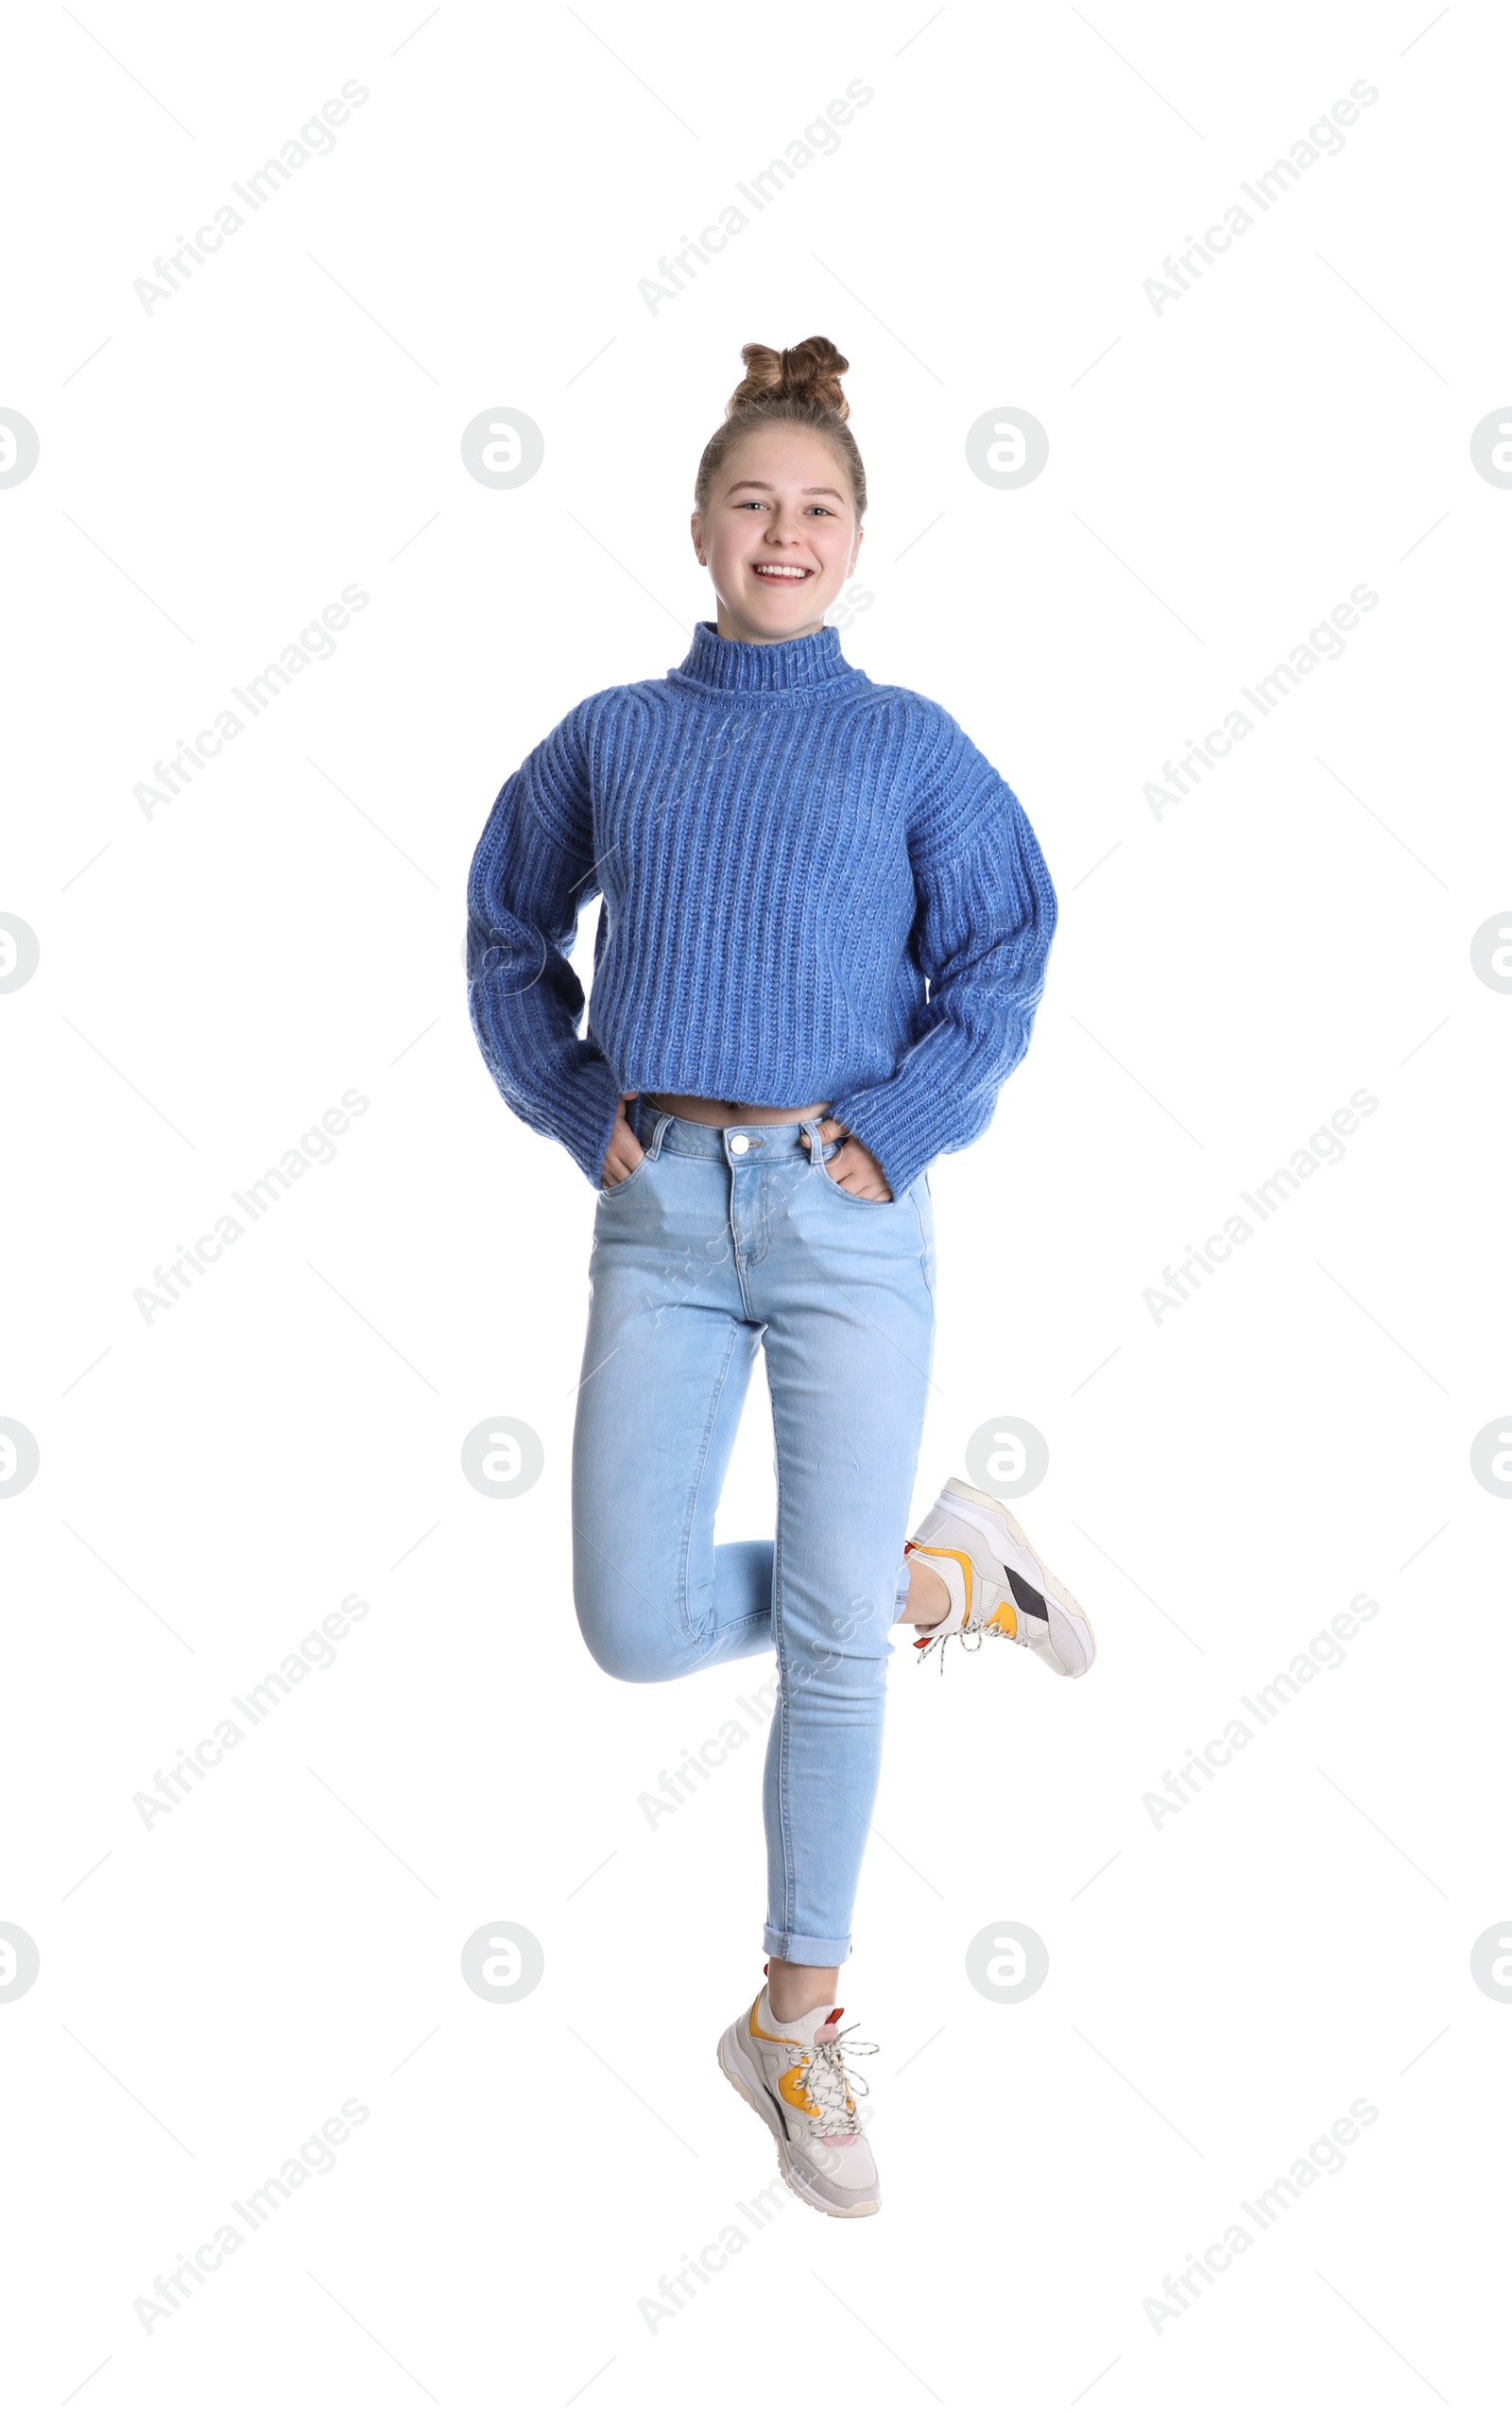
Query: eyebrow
[{"x": 763, "y": 488}]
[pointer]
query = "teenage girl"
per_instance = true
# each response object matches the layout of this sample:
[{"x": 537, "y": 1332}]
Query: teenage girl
[{"x": 822, "y": 940}]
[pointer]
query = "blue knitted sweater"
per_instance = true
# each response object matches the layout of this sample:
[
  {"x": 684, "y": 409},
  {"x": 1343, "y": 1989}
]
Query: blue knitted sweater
[{"x": 812, "y": 886}]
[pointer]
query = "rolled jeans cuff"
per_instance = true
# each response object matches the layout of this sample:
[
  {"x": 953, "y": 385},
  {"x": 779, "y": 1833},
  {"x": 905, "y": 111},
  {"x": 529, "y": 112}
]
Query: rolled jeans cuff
[{"x": 806, "y": 1950}]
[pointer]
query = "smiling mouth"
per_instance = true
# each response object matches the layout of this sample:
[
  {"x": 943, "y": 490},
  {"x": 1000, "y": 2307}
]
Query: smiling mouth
[{"x": 781, "y": 574}]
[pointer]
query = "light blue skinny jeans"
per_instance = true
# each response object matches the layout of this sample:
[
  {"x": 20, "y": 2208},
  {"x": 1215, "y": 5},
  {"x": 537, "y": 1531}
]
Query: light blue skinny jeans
[{"x": 717, "y": 1241}]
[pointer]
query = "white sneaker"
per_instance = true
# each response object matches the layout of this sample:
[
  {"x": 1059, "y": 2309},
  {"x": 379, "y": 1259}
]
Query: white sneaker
[
  {"x": 996, "y": 1583},
  {"x": 793, "y": 2075}
]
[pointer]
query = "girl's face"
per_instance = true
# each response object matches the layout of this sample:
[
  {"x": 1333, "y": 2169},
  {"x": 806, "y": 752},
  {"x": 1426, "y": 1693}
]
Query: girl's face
[{"x": 779, "y": 537}]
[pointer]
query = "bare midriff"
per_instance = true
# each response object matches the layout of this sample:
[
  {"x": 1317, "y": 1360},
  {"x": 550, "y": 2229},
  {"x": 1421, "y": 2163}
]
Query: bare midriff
[{"x": 722, "y": 1112}]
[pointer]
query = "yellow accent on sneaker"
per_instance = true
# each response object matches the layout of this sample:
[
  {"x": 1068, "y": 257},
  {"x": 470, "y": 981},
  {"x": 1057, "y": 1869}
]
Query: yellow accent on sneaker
[
  {"x": 792, "y": 2089},
  {"x": 925, "y": 1549}
]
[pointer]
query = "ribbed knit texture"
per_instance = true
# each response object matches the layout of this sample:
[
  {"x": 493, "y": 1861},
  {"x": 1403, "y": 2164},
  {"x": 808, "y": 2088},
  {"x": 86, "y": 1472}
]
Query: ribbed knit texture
[{"x": 813, "y": 888}]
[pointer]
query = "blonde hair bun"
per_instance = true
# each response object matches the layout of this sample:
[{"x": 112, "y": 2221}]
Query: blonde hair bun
[{"x": 807, "y": 371}]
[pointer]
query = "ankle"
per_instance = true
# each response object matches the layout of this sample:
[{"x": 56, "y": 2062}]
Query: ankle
[
  {"x": 928, "y": 1599},
  {"x": 923, "y": 1617},
  {"x": 793, "y": 1989}
]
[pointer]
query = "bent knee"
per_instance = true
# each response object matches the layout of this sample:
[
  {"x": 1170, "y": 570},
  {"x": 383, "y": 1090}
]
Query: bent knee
[
  {"x": 630, "y": 1641},
  {"x": 630, "y": 1662}
]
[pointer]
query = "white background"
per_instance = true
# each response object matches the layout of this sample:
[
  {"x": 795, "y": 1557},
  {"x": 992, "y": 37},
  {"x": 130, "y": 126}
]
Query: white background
[{"x": 1222, "y": 1482}]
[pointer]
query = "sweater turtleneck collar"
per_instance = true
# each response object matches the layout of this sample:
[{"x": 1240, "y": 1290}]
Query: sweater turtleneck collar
[{"x": 797, "y": 663}]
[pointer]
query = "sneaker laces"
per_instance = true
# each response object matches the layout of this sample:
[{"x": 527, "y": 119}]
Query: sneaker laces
[
  {"x": 969, "y": 1636},
  {"x": 827, "y": 2082}
]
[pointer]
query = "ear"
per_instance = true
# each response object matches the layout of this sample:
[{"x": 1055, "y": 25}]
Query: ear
[{"x": 695, "y": 530}]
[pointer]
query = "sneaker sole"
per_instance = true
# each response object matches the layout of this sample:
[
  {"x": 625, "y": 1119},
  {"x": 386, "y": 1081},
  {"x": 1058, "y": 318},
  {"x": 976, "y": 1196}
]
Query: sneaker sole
[
  {"x": 1074, "y": 1647},
  {"x": 785, "y": 2162}
]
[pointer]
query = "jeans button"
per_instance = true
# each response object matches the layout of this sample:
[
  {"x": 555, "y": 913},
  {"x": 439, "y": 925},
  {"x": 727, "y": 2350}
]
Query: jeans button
[{"x": 739, "y": 1144}]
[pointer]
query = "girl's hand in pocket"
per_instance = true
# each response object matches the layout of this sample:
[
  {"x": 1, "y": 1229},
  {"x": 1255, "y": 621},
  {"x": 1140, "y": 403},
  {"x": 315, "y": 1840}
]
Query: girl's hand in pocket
[
  {"x": 854, "y": 1167},
  {"x": 625, "y": 1150}
]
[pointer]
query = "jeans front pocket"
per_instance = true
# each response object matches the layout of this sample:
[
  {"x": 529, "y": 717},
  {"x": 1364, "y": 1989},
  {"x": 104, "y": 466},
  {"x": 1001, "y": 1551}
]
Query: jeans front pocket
[
  {"x": 618, "y": 1188},
  {"x": 874, "y": 1205}
]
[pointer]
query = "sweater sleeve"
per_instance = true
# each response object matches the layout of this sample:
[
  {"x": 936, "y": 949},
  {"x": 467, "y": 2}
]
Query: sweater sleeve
[
  {"x": 532, "y": 874},
  {"x": 987, "y": 914}
]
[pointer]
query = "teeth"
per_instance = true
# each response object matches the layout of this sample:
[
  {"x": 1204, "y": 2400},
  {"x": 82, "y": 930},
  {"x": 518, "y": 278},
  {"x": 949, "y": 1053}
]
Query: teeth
[{"x": 772, "y": 570}]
